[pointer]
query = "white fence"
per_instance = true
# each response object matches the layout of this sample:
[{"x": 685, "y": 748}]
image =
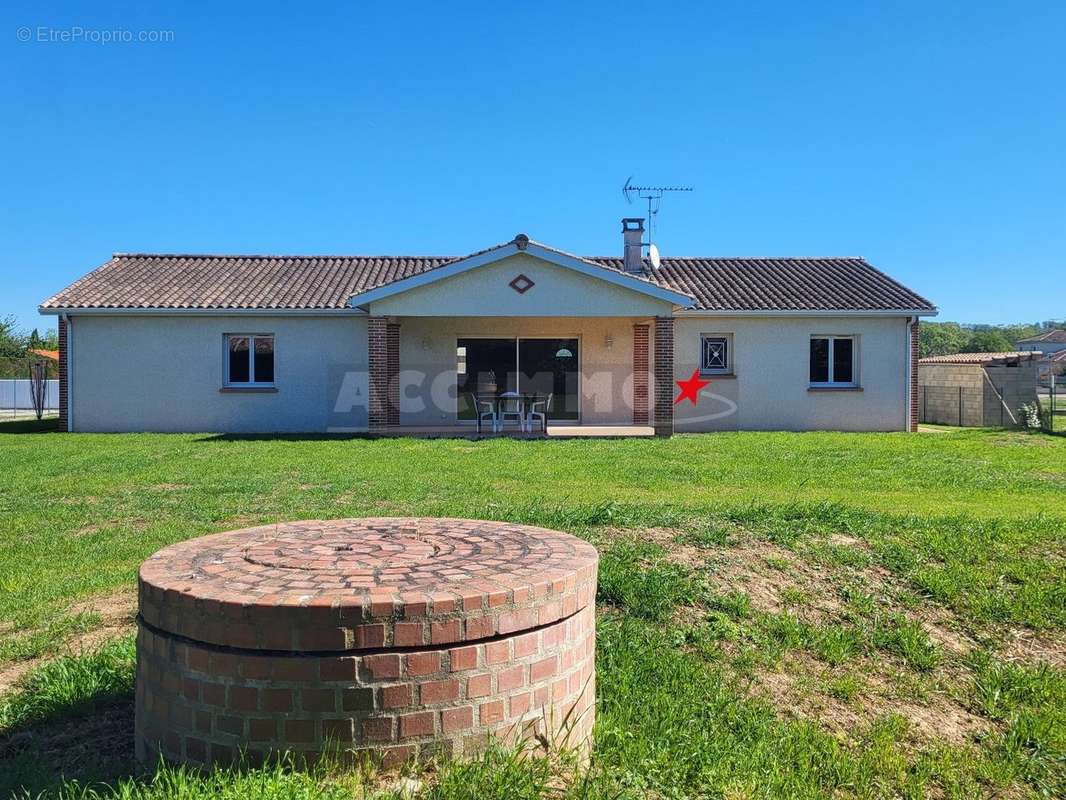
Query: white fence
[{"x": 15, "y": 395}]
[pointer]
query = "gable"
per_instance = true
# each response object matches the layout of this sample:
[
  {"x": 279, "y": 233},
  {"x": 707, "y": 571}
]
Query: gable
[{"x": 485, "y": 290}]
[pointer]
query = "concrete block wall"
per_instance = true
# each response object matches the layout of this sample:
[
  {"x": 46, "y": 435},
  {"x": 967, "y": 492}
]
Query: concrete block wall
[{"x": 963, "y": 394}]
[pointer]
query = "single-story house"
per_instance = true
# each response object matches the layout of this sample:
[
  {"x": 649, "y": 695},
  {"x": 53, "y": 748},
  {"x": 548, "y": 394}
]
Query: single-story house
[
  {"x": 1053, "y": 345},
  {"x": 977, "y": 389},
  {"x": 389, "y": 344},
  {"x": 1047, "y": 342}
]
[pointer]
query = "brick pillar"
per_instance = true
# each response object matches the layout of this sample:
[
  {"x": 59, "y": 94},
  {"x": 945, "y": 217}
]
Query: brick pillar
[
  {"x": 914, "y": 378},
  {"x": 640, "y": 374},
  {"x": 378, "y": 362},
  {"x": 392, "y": 344},
  {"x": 64, "y": 398},
  {"x": 664, "y": 376}
]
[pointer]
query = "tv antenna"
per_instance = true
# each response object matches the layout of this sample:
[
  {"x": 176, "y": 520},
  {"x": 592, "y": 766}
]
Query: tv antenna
[{"x": 654, "y": 196}]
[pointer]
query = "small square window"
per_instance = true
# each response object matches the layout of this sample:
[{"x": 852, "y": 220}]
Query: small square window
[
  {"x": 715, "y": 356},
  {"x": 249, "y": 359}
]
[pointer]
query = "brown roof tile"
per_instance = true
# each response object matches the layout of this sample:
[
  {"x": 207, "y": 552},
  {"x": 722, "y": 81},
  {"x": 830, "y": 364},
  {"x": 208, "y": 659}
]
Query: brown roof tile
[
  {"x": 156, "y": 281},
  {"x": 981, "y": 358},
  {"x": 1056, "y": 336}
]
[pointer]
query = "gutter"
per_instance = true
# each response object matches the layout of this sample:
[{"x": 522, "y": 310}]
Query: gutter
[{"x": 901, "y": 312}]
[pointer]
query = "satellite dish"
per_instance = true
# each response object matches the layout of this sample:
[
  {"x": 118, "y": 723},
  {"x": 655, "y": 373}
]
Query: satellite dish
[{"x": 653, "y": 256}]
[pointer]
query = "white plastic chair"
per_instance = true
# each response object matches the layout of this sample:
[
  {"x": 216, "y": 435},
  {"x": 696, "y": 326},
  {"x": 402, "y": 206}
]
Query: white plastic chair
[
  {"x": 511, "y": 407},
  {"x": 541, "y": 413},
  {"x": 484, "y": 409}
]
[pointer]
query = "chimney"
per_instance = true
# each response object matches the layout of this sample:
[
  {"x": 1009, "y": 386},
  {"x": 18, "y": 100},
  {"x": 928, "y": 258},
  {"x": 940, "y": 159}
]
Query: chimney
[{"x": 632, "y": 234}]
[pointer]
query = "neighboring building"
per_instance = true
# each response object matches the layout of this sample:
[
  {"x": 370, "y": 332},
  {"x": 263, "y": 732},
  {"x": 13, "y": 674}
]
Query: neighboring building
[
  {"x": 396, "y": 343},
  {"x": 976, "y": 389},
  {"x": 1053, "y": 345},
  {"x": 1047, "y": 342}
]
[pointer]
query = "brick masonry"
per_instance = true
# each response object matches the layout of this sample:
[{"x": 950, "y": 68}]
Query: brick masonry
[
  {"x": 386, "y": 638},
  {"x": 392, "y": 363},
  {"x": 640, "y": 374},
  {"x": 664, "y": 376},
  {"x": 377, "y": 360},
  {"x": 201, "y": 704},
  {"x": 64, "y": 378}
]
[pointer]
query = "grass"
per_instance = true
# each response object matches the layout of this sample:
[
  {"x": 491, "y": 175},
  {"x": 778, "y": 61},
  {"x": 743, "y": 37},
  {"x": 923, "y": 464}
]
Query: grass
[
  {"x": 781, "y": 615},
  {"x": 72, "y": 685},
  {"x": 48, "y": 638}
]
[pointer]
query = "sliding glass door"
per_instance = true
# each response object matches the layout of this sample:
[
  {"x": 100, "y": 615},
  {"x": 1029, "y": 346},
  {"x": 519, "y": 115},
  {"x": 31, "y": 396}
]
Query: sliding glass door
[{"x": 527, "y": 365}]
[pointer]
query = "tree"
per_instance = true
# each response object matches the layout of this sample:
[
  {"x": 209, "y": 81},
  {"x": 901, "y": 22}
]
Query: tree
[
  {"x": 941, "y": 338},
  {"x": 991, "y": 340},
  {"x": 11, "y": 344}
]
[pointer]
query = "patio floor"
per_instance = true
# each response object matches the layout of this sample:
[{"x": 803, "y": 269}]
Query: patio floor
[{"x": 554, "y": 432}]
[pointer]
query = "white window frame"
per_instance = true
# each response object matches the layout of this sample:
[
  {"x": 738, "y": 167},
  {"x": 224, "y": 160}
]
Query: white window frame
[
  {"x": 251, "y": 382},
  {"x": 831, "y": 383},
  {"x": 728, "y": 369}
]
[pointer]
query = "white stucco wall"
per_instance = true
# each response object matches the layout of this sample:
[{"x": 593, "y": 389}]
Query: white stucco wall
[
  {"x": 428, "y": 362},
  {"x": 771, "y": 366},
  {"x": 163, "y": 373},
  {"x": 484, "y": 292}
]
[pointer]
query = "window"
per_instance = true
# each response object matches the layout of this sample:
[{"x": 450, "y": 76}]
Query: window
[
  {"x": 833, "y": 361},
  {"x": 249, "y": 359},
  {"x": 715, "y": 357}
]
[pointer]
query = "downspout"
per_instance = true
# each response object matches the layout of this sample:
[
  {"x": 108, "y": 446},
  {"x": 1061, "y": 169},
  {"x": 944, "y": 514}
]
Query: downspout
[
  {"x": 64, "y": 319},
  {"x": 909, "y": 383}
]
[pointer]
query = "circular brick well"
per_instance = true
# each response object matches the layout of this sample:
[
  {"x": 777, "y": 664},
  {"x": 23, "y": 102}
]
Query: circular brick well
[{"x": 391, "y": 638}]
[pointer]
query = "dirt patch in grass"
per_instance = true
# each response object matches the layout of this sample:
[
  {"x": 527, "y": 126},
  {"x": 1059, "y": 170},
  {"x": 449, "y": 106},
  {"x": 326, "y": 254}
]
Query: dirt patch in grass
[
  {"x": 11, "y": 674},
  {"x": 804, "y": 688},
  {"x": 125, "y": 524},
  {"x": 675, "y": 550},
  {"x": 1029, "y": 647},
  {"x": 822, "y": 586},
  {"x": 778, "y": 579},
  {"x": 117, "y": 612},
  {"x": 769, "y": 574}
]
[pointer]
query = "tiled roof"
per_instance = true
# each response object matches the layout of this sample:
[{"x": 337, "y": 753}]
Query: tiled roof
[
  {"x": 782, "y": 284},
  {"x": 156, "y": 281},
  {"x": 1056, "y": 336},
  {"x": 981, "y": 358}
]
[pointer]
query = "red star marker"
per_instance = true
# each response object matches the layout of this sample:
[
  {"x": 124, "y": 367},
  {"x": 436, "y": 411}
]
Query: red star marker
[{"x": 690, "y": 389}]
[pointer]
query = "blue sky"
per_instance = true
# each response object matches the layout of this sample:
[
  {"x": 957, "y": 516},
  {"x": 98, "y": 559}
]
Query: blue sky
[{"x": 929, "y": 138}]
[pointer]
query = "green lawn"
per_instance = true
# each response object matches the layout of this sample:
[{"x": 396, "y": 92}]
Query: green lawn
[{"x": 781, "y": 614}]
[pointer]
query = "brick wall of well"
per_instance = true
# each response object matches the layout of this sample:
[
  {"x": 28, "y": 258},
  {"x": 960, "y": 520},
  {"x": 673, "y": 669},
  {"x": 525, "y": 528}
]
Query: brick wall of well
[{"x": 198, "y": 703}]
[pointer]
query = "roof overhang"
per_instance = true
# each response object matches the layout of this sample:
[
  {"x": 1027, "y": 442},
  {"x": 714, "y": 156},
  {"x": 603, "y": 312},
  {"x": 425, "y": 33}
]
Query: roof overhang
[
  {"x": 503, "y": 251},
  {"x": 259, "y": 312},
  {"x": 844, "y": 312}
]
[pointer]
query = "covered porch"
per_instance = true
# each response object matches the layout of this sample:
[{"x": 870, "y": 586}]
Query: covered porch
[
  {"x": 559, "y": 377},
  {"x": 521, "y": 327}
]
